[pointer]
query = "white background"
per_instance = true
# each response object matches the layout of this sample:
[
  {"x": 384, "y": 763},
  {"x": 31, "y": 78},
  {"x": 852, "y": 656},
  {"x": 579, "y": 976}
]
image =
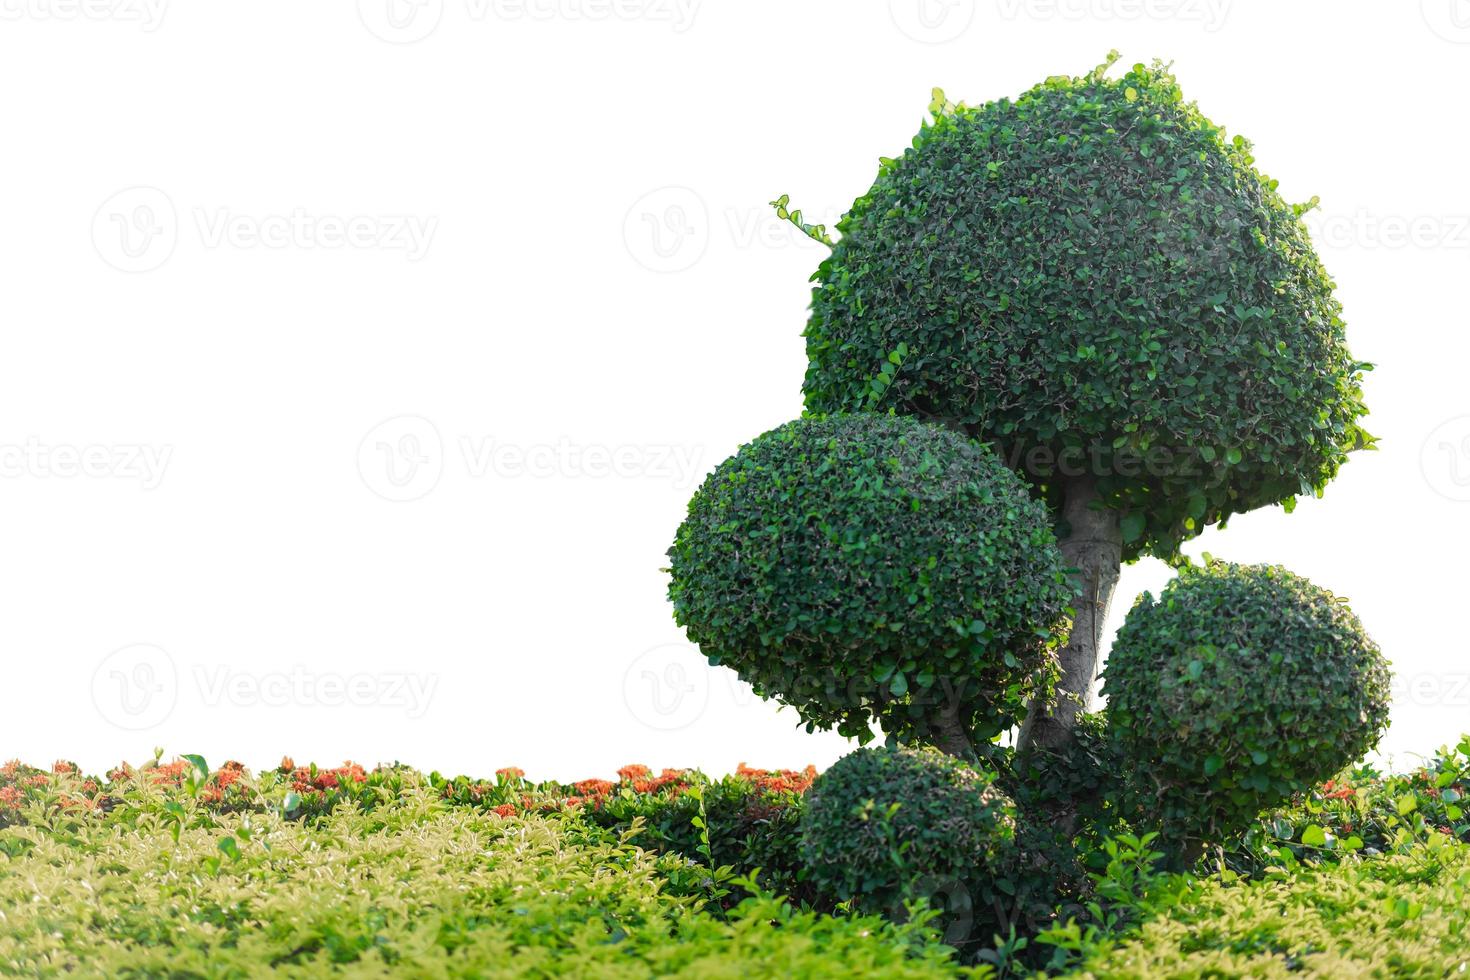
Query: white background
[{"x": 521, "y": 252}]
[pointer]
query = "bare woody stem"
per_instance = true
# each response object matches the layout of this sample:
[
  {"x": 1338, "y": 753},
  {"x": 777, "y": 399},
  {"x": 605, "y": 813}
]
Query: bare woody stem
[{"x": 1094, "y": 548}]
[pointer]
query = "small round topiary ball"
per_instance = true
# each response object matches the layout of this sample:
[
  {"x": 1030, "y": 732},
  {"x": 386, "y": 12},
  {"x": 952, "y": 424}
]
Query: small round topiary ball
[
  {"x": 869, "y": 568},
  {"x": 884, "y": 825},
  {"x": 1238, "y": 687}
]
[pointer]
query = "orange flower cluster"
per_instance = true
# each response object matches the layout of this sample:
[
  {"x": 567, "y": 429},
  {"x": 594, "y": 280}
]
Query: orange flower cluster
[
  {"x": 10, "y": 798},
  {"x": 779, "y": 780},
  {"x": 302, "y": 781},
  {"x": 1332, "y": 790},
  {"x": 594, "y": 787},
  {"x": 230, "y": 774},
  {"x": 510, "y": 772},
  {"x": 642, "y": 780}
]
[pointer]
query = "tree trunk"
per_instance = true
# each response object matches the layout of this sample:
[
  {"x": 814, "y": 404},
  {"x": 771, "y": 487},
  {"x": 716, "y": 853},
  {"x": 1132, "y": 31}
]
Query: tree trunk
[
  {"x": 950, "y": 736},
  {"x": 1094, "y": 547}
]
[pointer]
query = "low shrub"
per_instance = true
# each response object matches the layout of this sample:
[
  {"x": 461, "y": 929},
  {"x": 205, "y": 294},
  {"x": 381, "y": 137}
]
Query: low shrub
[
  {"x": 887, "y": 825},
  {"x": 1395, "y": 916},
  {"x": 747, "y": 821},
  {"x": 1235, "y": 689},
  {"x": 1363, "y": 812},
  {"x": 397, "y": 881}
]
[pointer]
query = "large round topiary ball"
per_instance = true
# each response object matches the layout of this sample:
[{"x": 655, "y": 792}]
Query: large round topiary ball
[
  {"x": 885, "y": 825},
  {"x": 1096, "y": 278},
  {"x": 1236, "y": 688},
  {"x": 870, "y": 568}
]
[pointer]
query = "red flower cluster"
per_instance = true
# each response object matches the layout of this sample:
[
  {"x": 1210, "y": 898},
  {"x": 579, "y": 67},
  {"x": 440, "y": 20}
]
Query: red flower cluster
[
  {"x": 10, "y": 798},
  {"x": 510, "y": 772},
  {"x": 1332, "y": 790}
]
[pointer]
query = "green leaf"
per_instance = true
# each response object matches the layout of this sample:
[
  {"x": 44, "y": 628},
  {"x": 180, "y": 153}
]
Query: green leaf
[
  {"x": 1133, "y": 525},
  {"x": 1407, "y": 804},
  {"x": 1314, "y": 836}
]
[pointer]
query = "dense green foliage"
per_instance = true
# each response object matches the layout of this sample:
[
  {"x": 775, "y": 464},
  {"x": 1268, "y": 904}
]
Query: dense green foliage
[
  {"x": 310, "y": 870},
  {"x": 1363, "y": 812},
  {"x": 873, "y": 568},
  {"x": 885, "y": 825},
  {"x": 163, "y": 882},
  {"x": 1237, "y": 688},
  {"x": 1395, "y": 916},
  {"x": 1094, "y": 278}
]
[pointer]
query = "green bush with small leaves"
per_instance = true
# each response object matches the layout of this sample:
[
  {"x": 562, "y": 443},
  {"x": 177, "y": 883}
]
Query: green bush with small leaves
[
  {"x": 872, "y": 568},
  {"x": 884, "y": 825},
  {"x": 1097, "y": 279},
  {"x": 1236, "y": 688},
  {"x": 169, "y": 880}
]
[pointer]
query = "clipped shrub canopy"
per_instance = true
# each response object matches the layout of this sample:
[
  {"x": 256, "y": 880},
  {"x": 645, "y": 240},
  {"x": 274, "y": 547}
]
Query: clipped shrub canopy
[
  {"x": 1238, "y": 687},
  {"x": 873, "y": 568},
  {"x": 888, "y": 824},
  {"x": 1095, "y": 278}
]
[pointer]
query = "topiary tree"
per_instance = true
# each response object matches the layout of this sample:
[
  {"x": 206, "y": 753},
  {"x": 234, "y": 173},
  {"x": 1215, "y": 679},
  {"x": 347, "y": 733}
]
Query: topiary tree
[
  {"x": 1236, "y": 688},
  {"x": 1094, "y": 279},
  {"x": 883, "y": 826},
  {"x": 874, "y": 568}
]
